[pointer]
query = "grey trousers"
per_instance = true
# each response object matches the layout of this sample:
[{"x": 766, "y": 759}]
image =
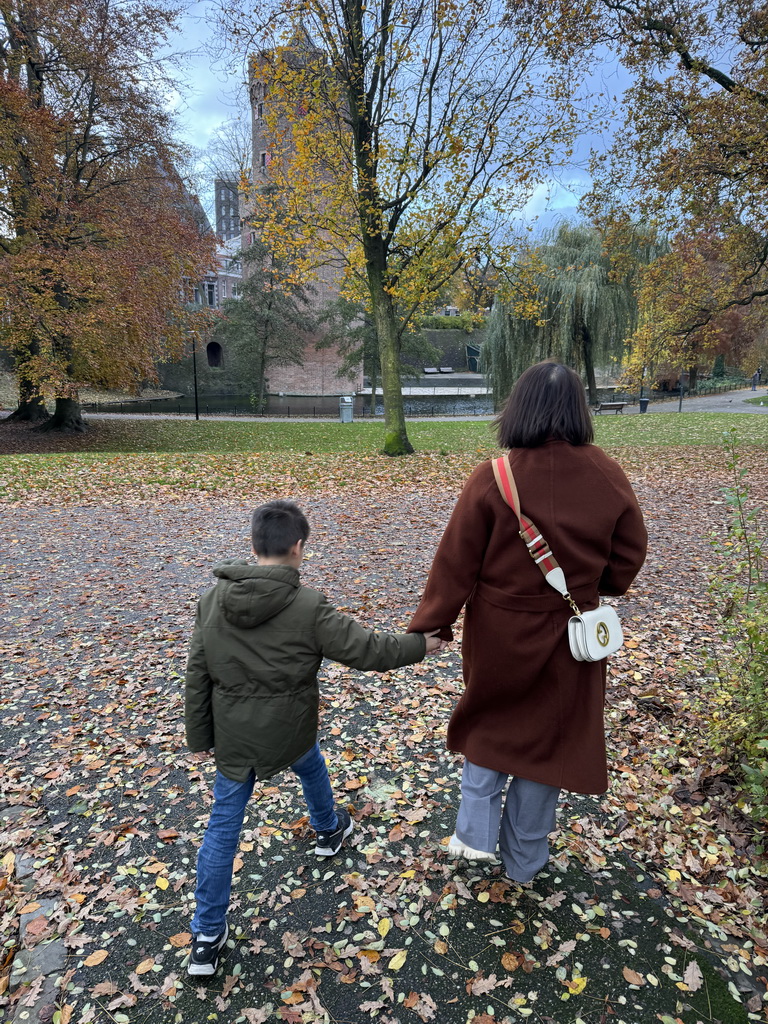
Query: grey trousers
[{"x": 520, "y": 831}]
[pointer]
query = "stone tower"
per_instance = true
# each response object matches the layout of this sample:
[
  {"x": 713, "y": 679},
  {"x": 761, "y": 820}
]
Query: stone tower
[{"x": 319, "y": 374}]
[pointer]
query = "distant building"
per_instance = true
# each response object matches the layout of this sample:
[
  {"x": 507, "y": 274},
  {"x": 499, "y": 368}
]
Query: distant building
[
  {"x": 229, "y": 278},
  {"x": 219, "y": 369},
  {"x": 203, "y": 292},
  {"x": 227, "y": 205}
]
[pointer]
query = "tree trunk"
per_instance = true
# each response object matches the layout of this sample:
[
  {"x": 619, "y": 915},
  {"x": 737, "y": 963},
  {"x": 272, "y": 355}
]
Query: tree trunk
[
  {"x": 31, "y": 407},
  {"x": 372, "y": 215},
  {"x": 260, "y": 395},
  {"x": 396, "y": 437},
  {"x": 373, "y": 365},
  {"x": 66, "y": 418},
  {"x": 589, "y": 363},
  {"x": 29, "y": 410}
]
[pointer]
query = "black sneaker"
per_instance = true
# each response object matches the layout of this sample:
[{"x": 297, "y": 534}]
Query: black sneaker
[
  {"x": 328, "y": 844},
  {"x": 204, "y": 958}
]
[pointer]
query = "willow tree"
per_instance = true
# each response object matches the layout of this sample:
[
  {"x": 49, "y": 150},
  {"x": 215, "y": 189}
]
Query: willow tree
[
  {"x": 397, "y": 130},
  {"x": 584, "y": 306}
]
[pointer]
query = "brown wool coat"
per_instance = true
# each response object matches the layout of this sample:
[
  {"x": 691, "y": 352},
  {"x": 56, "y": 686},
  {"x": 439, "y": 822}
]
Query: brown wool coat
[{"x": 529, "y": 708}]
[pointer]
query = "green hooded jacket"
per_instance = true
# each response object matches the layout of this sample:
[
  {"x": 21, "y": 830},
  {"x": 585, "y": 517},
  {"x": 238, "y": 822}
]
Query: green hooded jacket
[{"x": 251, "y": 686}]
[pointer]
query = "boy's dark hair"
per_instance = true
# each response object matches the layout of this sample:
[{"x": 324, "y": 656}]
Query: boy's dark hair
[
  {"x": 547, "y": 402},
  {"x": 276, "y": 527}
]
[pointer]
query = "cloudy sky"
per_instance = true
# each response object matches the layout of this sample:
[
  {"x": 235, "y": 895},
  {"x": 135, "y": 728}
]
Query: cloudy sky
[{"x": 207, "y": 86}]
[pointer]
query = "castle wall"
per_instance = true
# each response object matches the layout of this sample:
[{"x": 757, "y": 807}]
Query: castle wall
[{"x": 320, "y": 373}]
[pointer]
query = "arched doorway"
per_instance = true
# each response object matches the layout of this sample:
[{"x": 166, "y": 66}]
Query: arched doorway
[{"x": 215, "y": 354}]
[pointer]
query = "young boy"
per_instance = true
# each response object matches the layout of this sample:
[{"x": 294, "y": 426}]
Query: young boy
[{"x": 252, "y": 697}]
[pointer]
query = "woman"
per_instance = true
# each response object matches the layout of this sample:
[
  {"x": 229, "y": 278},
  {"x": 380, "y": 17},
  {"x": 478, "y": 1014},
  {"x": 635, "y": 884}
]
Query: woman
[{"x": 529, "y": 709}]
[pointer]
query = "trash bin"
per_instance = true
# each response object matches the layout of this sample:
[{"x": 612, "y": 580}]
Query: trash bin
[
  {"x": 644, "y": 404},
  {"x": 345, "y": 409}
]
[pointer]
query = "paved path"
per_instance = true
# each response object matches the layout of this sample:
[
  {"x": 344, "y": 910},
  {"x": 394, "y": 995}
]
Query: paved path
[
  {"x": 730, "y": 401},
  {"x": 103, "y": 812}
]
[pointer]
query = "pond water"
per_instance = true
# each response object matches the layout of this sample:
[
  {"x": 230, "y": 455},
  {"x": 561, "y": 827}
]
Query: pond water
[{"x": 300, "y": 405}]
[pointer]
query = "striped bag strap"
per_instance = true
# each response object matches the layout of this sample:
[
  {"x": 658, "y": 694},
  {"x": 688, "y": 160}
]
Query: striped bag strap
[{"x": 537, "y": 546}]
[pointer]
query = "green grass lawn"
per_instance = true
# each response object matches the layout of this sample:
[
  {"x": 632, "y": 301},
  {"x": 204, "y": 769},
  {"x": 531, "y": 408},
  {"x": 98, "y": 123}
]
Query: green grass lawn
[
  {"x": 445, "y": 437},
  {"x": 148, "y": 459}
]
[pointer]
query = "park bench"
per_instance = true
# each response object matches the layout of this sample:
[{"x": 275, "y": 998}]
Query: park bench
[
  {"x": 431, "y": 369},
  {"x": 607, "y": 406},
  {"x": 446, "y": 369}
]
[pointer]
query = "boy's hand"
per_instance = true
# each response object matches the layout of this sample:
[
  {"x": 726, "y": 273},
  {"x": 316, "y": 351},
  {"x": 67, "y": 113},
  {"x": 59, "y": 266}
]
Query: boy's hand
[
  {"x": 434, "y": 643},
  {"x": 201, "y": 755}
]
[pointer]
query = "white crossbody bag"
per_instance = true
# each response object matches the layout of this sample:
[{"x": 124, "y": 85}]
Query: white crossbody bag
[{"x": 592, "y": 635}]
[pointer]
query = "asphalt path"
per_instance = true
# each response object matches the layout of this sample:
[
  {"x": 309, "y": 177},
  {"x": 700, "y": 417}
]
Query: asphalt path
[{"x": 729, "y": 401}]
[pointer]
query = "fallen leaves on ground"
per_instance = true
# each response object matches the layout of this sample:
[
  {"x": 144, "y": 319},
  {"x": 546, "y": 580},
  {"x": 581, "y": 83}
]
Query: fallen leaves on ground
[{"x": 103, "y": 811}]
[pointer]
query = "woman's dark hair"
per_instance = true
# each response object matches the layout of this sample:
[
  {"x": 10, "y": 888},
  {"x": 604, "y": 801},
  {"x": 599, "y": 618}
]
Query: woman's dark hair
[
  {"x": 276, "y": 526},
  {"x": 546, "y": 403}
]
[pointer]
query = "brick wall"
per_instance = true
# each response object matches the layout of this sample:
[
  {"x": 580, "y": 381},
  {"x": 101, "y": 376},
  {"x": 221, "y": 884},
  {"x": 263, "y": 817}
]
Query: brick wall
[{"x": 318, "y": 375}]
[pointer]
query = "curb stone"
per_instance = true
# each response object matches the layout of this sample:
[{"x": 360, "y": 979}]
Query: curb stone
[
  {"x": 47, "y": 962},
  {"x": 44, "y": 961},
  {"x": 43, "y": 1007},
  {"x": 44, "y": 908}
]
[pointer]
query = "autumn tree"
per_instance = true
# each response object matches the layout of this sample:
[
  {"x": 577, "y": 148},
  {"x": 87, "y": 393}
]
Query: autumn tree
[
  {"x": 267, "y": 325},
  {"x": 690, "y": 143},
  {"x": 681, "y": 326},
  {"x": 475, "y": 284},
  {"x": 397, "y": 132},
  {"x": 98, "y": 238},
  {"x": 584, "y": 306}
]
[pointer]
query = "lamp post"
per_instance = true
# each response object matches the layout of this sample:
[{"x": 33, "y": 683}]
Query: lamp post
[{"x": 194, "y": 373}]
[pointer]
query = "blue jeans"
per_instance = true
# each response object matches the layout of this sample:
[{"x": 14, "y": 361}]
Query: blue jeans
[{"x": 217, "y": 853}]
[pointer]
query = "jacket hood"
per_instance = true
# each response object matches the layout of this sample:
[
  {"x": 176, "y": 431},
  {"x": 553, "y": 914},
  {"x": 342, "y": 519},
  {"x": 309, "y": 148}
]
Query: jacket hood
[{"x": 251, "y": 594}]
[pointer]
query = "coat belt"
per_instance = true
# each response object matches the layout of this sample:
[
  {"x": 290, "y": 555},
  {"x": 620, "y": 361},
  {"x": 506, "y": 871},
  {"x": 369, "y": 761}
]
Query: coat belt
[{"x": 585, "y": 597}]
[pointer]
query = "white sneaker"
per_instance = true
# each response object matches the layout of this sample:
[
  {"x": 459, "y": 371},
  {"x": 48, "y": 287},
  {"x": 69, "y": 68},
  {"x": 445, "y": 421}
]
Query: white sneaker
[{"x": 458, "y": 849}]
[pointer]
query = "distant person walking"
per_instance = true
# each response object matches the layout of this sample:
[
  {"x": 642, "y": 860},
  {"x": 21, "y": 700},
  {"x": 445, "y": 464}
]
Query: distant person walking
[
  {"x": 755, "y": 379},
  {"x": 529, "y": 709}
]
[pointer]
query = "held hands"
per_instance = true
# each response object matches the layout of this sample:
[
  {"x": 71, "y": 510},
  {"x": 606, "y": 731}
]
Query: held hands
[{"x": 434, "y": 643}]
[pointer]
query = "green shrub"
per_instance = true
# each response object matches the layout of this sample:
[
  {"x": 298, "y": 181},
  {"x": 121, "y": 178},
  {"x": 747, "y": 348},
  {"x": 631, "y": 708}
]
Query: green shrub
[
  {"x": 739, "y": 665},
  {"x": 705, "y": 386},
  {"x": 463, "y": 322}
]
